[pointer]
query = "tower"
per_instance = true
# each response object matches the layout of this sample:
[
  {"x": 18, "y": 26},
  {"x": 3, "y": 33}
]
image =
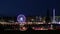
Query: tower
[
  {"x": 54, "y": 16},
  {"x": 47, "y": 19}
]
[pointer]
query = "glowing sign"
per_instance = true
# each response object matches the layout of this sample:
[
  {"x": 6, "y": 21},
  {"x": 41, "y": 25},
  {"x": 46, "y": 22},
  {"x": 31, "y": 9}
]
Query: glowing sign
[{"x": 21, "y": 18}]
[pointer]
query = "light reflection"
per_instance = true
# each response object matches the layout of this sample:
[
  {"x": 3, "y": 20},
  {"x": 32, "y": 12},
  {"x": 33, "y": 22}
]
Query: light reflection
[{"x": 23, "y": 28}]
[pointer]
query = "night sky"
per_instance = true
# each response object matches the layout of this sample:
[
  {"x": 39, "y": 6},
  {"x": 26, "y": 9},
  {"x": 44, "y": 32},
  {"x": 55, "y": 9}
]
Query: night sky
[{"x": 28, "y": 7}]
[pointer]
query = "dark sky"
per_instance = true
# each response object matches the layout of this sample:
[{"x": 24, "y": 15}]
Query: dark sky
[{"x": 28, "y": 7}]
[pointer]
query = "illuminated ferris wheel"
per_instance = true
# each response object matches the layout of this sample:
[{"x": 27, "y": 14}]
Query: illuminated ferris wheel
[{"x": 21, "y": 18}]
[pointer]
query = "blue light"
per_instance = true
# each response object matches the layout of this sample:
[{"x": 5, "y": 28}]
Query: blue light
[{"x": 21, "y": 18}]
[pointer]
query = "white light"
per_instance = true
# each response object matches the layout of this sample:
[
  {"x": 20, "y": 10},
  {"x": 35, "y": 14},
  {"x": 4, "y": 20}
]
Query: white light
[
  {"x": 59, "y": 22},
  {"x": 21, "y": 19}
]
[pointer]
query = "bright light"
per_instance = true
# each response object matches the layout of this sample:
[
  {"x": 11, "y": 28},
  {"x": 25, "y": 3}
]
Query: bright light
[
  {"x": 59, "y": 22},
  {"x": 21, "y": 19}
]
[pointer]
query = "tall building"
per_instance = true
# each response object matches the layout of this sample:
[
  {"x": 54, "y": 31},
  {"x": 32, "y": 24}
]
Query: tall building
[{"x": 47, "y": 19}]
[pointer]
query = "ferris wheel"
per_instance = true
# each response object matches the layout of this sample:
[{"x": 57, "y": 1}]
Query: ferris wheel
[{"x": 21, "y": 18}]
